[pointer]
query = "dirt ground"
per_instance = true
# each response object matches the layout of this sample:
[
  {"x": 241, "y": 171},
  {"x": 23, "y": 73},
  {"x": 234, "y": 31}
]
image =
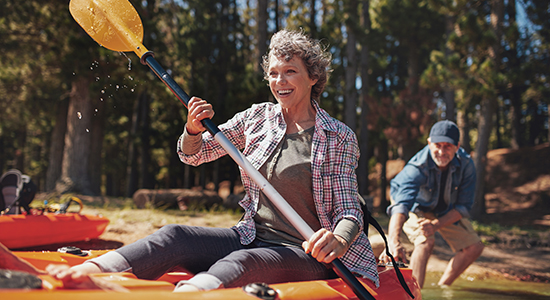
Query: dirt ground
[{"x": 517, "y": 200}]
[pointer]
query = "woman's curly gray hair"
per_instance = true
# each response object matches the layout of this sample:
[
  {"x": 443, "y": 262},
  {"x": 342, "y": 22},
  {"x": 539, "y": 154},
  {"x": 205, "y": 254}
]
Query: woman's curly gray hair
[{"x": 317, "y": 60}]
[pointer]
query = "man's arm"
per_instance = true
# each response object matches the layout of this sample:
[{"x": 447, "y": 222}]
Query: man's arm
[{"x": 394, "y": 232}]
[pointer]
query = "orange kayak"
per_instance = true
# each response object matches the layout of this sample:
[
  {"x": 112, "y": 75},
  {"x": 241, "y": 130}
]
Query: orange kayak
[
  {"x": 390, "y": 287},
  {"x": 19, "y": 231}
]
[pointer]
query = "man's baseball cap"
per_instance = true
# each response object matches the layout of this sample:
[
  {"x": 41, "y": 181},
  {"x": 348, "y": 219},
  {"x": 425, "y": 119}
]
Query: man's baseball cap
[{"x": 445, "y": 131}]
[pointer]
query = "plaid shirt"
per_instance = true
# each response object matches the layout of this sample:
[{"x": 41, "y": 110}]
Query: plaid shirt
[{"x": 257, "y": 131}]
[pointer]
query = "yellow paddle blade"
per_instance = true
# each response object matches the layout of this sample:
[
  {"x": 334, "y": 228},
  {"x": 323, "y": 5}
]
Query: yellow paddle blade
[{"x": 114, "y": 24}]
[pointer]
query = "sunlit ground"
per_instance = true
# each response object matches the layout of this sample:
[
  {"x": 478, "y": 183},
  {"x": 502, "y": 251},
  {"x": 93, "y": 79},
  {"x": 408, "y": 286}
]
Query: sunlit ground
[{"x": 483, "y": 289}]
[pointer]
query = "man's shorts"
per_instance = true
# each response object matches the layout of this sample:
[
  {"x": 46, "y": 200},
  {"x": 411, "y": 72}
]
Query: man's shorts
[{"x": 458, "y": 235}]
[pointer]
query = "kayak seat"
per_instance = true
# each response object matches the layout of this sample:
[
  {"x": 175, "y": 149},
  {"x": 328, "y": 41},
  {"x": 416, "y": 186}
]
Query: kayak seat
[{"x": 11, "y": 184}]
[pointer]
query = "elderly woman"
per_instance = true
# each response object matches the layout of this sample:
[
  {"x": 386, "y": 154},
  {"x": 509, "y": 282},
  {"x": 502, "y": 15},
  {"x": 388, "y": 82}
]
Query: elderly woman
[{"x": 308, "y": 157}]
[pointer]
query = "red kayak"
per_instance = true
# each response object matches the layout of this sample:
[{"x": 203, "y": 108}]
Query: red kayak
[
  {"x": 390, "y": 287},
  {"x": 20, "y": 231}
]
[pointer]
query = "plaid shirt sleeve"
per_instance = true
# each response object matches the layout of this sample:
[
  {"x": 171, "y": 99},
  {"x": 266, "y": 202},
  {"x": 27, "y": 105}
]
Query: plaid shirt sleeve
[{"x": 335, "y": 156}]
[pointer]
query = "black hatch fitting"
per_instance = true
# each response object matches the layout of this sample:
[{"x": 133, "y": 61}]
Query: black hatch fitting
[{"x": 260, "y": 290}]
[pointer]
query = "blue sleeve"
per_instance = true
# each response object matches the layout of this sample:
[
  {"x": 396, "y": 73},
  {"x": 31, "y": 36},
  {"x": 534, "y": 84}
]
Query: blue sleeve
[
  {"x": 466, "y": 190},
  {"x": 404, "y": 189}
]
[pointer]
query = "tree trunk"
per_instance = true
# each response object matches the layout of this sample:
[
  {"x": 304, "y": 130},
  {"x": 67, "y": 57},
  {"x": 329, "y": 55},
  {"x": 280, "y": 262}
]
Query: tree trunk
[
  {"x": 484, "y": 129},
  {"x": 413, "y": 69},
  {"x": 498, "y": 124},
  {"x": 488, "y": 109},
  {"x": 262, "y": 33},
  {"x": 463, "y": 124},
  {"x": 131, "y": 164},
  {"x": 171, "y": 198},
  {"x": 350, "y": 101},
  {"x": 57, "y": 144},
  {"x": 147, "y": 180},
  {"x": 515, "y": 114},
  {"x": 448, "y": 92},
  {"x": 76, "y": 155},
  {"x": 313, "y": 15},
  {"x": 2, "y": 152},
  {"x": 383, "y": 159},
  {"x": 19, "y": 156},
  {"x": 363, "y": 168},
  {"x": 409, "y": 149},
  {"x": 277, "y": 16},
  {"x": 96, "y": 149}
]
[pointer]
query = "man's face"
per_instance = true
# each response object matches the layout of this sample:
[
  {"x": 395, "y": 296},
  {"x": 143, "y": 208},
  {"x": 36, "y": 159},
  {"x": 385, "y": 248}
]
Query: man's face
[{"x": 442, "y": 153}]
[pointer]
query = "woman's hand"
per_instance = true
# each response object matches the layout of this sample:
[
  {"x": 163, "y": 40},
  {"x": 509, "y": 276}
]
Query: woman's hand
[
  {"x": 198, "y": 110},
  {"x": 77, "y": 277},
  {"x": 325, "y": 246}
]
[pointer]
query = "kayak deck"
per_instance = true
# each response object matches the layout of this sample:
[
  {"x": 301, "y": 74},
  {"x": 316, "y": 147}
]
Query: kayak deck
[
  {"x": 162, "y": 288},
  {"x": 20, "y": 231}
]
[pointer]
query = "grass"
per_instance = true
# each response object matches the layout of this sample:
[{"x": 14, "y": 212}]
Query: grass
[{"x": 123, "y": 209}]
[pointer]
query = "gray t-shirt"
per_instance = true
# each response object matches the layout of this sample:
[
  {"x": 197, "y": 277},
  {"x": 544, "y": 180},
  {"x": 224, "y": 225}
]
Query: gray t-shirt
[{"x": 288, "y": 170}]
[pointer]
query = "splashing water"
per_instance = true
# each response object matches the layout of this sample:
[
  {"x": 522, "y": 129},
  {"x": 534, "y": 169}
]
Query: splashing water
[
  {"x": 129, "y": 60},
  {"x": 79, "y": 115}
]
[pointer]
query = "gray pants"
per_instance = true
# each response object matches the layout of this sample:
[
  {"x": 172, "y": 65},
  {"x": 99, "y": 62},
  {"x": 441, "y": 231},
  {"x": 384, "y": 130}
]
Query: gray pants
[{"x": 218, "y": 254}]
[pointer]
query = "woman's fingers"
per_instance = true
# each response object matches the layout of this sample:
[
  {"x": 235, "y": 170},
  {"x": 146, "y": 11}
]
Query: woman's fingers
[
  {"x": 198, "y": 110},
  {"x": 325, "y": 246}
]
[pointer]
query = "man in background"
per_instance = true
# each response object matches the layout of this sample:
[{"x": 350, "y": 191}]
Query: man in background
[{"x": 434, "y": 193}]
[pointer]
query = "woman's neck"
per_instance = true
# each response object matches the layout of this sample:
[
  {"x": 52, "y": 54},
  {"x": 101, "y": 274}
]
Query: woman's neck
[{"x": 297, "y": 121}]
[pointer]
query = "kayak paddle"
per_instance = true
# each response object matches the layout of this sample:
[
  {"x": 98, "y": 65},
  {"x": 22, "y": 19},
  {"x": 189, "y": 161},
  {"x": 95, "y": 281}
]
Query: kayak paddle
[{"x": 116, "y": 25}]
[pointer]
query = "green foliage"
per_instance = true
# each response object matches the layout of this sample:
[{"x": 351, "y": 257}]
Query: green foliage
[{"x": 209, "y": 48}]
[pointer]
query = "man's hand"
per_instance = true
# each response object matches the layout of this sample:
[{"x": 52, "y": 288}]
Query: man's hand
[
  {"x": 427, "y": 228},
  {"x": 397, "y": 251}
]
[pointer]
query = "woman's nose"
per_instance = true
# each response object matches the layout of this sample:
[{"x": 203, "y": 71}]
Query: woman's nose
[{"x": 281, "y": 79}]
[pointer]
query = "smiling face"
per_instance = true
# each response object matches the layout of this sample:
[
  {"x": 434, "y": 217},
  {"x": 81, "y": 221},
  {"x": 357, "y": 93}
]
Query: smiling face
[
  {"x": 289, "y": 82},
  {"x": 442, "y": 153}
]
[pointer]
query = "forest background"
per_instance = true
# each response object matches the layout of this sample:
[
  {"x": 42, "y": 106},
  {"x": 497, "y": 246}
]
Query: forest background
[{"x": 79, "y": 118}]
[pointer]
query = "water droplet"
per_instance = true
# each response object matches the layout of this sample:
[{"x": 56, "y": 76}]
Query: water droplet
[
  {"x": 96, "y": 109},
  {"x": 87, "y": 130},
  {"x": 79, "y": 115},
  {"x": 74, "y": 73},
  {"x": 103, "y": 91},
  {"x": 97, "y": 78},
  {"x": 132, "y": 90},
  {"x": 130, "y": 77},
  {"x": 101, "y": 99}
]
